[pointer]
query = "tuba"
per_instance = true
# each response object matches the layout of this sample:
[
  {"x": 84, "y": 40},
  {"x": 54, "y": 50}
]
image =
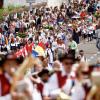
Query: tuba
[{"x": 63, "y": 96}]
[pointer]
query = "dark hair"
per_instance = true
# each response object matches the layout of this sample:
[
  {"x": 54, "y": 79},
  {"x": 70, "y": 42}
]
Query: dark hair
[
  {"x": 20, "y": 60},
  {"x": 81, "y": 51},
  {"x": 30, "y": 39},
  {"x": 44, "y": 71},
  {"x": 66, "y": 56},
  {"x": 10, "y": 56}
]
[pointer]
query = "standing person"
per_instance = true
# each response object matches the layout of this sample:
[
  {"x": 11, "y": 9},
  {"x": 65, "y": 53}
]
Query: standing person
[
  {"x": 82, "y": 56},
  {"x": 58, "y": 80},
  {"x": 29, "y": 46},
  {"x": 78, "y": 91},
  {"x": 84, "y": 32},
  {"x": 75, "y": 36},
  {"x": 60, "y": 47},
  {"x": 97, "y": 32},
  {"x": 8, "y": 66},
  {"x": 44, "y": 77},
  {"x": 90, "y": 32},
  {"x": 72, "y": 47},
  {"x": 50, "y": 54},
  {"x": 38, "y": 21}
]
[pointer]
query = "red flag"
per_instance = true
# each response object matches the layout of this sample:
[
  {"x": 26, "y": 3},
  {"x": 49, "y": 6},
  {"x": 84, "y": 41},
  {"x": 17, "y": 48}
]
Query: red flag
[
  {"x": 41, "y": 44},
  {"x": 20, "y": 53},
  {"x": 27, "y": 49}
]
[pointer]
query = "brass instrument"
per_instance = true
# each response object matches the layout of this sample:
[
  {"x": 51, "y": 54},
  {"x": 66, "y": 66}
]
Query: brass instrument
[{"x": 63, "y": 96}]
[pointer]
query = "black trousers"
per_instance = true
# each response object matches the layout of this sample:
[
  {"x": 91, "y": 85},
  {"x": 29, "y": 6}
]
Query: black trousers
[
  {"x": 90, "y": 37},
  {"x": 72, "y": 52}
]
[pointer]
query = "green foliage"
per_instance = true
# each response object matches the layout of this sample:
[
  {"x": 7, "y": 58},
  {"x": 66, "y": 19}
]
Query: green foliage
[
  {"x": 10, "y": 7},
  {"x": 21, "y": 35},
  {"x": 97, "y": 15},
  {"x": 9, "y": 10},
  {"x": 1, "y": 14},
  {"x": 48, "y": 27}
]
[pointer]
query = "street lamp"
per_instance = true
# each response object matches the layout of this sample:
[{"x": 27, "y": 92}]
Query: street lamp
[{"x": 30, "y": 3}]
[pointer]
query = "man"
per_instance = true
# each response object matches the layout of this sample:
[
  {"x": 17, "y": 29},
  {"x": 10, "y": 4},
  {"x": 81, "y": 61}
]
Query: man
[
  {"x": 82, "y": 57},
  {"x": 72, "y": 47},
  {"x": 8, "y": 66},
  {"x": 44, "y": 77},
  {"x": 97, "y": 32},
  {"x": 90, "y": 32},
  {"x": 58, "y": 80}
]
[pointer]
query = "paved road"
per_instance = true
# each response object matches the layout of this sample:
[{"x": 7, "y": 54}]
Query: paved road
[{"x": 91, "y": 51}]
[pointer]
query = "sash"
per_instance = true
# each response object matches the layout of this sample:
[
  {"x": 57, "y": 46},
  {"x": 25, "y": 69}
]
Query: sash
[{"x": 61, "y": 79}]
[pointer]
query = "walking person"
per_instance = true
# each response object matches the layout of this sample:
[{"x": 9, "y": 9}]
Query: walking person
[
  {"x": 72, "y": 47},
  {"x": 97, "y": 32},
  {"x": 90, "y": 32}
]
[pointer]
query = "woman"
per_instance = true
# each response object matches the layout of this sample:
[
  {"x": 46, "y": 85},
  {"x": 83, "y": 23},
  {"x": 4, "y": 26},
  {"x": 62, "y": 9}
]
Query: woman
[
  {"x": 75, "y": 36},
  {"x": 50, "y": 54},
  {"x": 60, "y": 47}
]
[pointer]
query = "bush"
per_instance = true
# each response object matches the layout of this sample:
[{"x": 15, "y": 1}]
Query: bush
[
  {"x": 48, "y": 27},
  {"x": 21, "y": 35},
  {"x": 6, "y": 11},
  {"x": 97, "y": 15}
]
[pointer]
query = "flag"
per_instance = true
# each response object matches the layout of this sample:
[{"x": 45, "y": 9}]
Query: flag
[
  {"x": 41, "y": 44},
  {"x": 40, "y": 50},
  {"x": 34, "y": 53},
  {"x": 20, "y": 53}
]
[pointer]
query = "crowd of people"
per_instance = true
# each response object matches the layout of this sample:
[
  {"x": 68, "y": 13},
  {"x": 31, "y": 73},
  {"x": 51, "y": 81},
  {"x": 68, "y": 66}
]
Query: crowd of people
[{"x": 39, "y": 54}]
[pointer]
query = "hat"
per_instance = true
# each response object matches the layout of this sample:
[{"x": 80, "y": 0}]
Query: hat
[{"x": 6, "y": 56}]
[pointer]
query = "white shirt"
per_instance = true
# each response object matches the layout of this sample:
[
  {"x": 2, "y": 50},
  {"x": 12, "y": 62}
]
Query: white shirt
[
  {"x": 78, "y": 92},
  {"x": 83, "y": 59},
  {"x": 61, "y": 48},
  {"x": 7, "y": 97},
  {"x": 54, "y": 45},
  {"x": 50, "y": 53},
  {"x": 90, "y": 30},
  {"x": 52, "y": 86}
]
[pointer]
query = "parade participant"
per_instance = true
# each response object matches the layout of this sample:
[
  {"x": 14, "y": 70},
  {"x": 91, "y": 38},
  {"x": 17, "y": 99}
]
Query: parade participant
[
  {"x": 29, "y": 46},
  {"x": 56, "y": 66},
  {"x": 58, "y": 80},
  {"x": 97, "y": 32},
  {"x": 90, "y": 32},
  {"x": 8, "y": 66},
  {"x": 94, "y": 93},
  {"x": 50, "y": 54},
  {"x": 78, "y": 86},
  {"x": 72, "y": 47},
  {"x": 23, "y": 88},
  {"x": 60, "y": 46},
  {"x": 75, "y": 36},
  {"x": 44, "y": 77},
  {"x": 82, "y": 57}
]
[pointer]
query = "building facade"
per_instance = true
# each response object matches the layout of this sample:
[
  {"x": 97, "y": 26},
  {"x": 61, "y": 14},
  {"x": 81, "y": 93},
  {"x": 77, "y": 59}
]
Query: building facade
[{"x": 6, "y": 3}]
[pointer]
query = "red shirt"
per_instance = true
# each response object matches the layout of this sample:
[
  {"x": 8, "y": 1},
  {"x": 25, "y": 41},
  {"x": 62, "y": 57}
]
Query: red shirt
[
  {"x": 83, "y": 14},
  {"x": 29, "y": 47},
  {"x": 4, "y": 85}
]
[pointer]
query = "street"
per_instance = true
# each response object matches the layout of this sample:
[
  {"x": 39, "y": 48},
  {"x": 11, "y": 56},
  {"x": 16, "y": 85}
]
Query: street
[{"x": 90, "y": 50}]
